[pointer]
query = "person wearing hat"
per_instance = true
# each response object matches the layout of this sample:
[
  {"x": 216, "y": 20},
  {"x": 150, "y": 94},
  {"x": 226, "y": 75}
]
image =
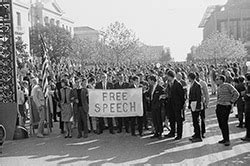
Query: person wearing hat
[{"x": 176, "y": 103}]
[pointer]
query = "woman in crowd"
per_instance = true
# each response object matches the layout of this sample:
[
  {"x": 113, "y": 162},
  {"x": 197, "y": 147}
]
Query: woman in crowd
[{"x": 66, "y": 109}]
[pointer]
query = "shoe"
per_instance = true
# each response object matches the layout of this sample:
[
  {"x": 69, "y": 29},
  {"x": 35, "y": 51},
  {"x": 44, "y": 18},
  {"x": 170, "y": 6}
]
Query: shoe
[
  {"x": 85, "y": 136},
  {"x": 177, "y": 138},
  {"x": 40, "y": 136},
  {"x": 70, "y": 136},
  {"x": 99, "y": 132},
  {"x": 169, "y": 135},
  {"x": 222, "y": 141},
  {"x": 196, "y": 140},
  {"x": 155, "y": 136},
  {"x": 66, "y": 136},
  {"x": 119, "y": 131},
  {"x": 112, "y": 132},
  {"x": 127, "y": 131},
  {"x": 227, "y": 143},
  {"x": 240, "y": 126},
  {"x": 245, "y": 139},
  {"x": 133, "y": 134},
  {"x": 79, "y": 136}
]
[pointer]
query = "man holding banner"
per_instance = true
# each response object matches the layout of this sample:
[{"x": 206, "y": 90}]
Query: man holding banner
[
  {"x": 104, "y": 84},
  {"x": 114, "y": 103},
  {"x": 122, "y": 85}
]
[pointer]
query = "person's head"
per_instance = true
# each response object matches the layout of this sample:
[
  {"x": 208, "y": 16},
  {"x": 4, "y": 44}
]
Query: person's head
[
  {"x": 170, "y": 75},
  {"x": 104, "y": 77},
  {"x": 191, "y": 77},
  {"x": 241, "y": 79},
  {"x": 197, "y": 76},
  {"x": 120, "y": 77},
  {"x": 220, "y": 79},
  {"x": 136, "y": 80},
  {"x": 247, "y": 77},
  {"x": 78, "y": 82},
  {"x": 91, "y": 81},
  {"x": 64, "y": 83},
  {"x": 236, "y": 81},
  {"x": 84, "y": 82},
  {"x": 179, "y": 76},
  {"x": 144, "y": 85},
  {"x": 35, "y": 81},
  {"x": 25, "y": 84},
  {"x": 152, "y": 80}
]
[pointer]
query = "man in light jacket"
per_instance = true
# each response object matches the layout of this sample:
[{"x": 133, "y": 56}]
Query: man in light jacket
[{"x": 39, "y": 100}]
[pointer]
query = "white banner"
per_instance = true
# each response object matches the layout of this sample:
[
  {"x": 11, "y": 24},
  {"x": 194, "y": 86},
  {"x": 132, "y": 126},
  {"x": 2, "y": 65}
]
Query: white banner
[{"x": 115, "y": 102}]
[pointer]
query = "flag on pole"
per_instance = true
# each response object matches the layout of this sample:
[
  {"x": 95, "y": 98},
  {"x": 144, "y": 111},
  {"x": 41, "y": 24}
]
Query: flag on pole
[{"x": 45, "y": 66}]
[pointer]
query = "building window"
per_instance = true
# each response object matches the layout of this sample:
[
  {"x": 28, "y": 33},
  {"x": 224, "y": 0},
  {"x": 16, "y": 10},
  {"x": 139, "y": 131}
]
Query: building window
[
  {"x": 46, "y": 20},
  {"x": 62, "y": 26},
  {"x": 66, "y": 27},
  {"x": 233, "y": 29},
  {"x": 18, "y": 18},
  {"x": 246, "y": 30},
  {"x": 52, "y": 21},
  {"x": 58, "y": 23}
]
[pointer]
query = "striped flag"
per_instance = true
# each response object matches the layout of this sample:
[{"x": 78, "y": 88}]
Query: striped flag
[{"x": 45, "y": 67}]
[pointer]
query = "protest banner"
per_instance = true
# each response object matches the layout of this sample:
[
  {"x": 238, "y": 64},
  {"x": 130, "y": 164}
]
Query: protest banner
[{"x": 115, "y": 102}]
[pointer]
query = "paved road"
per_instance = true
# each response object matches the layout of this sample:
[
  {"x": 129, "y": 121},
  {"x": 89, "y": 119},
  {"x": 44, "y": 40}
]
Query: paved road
[{"x": 123, "y": 149}]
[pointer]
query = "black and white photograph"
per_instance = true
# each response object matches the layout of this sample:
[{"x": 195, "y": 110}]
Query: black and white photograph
[{"x": 124, "y": 82}]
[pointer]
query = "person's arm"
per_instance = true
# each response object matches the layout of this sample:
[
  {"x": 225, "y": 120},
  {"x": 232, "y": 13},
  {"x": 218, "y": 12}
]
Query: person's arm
[
  {"x": 206, "y": 94},
  {"x": 198, "y": 95},
  {"x": 234, "y": 92}
]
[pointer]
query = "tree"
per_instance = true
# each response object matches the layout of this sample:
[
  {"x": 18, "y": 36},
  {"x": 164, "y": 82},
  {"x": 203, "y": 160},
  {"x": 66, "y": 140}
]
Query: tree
[
  {"x": 21, "y": 53},
  {"x": 58, "y": 41},
  {"x": 122, "y": 42},
  {"x": 165, "y": 55},
  {"x": 220, "y": 46}
]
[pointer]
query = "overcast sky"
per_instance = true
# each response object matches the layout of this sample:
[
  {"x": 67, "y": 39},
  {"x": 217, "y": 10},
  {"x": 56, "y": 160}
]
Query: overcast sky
[{"x": 172, "y": 23}]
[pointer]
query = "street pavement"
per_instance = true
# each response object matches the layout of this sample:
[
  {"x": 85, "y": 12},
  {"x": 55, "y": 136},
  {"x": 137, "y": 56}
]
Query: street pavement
[{"x": 124, "y": 149}]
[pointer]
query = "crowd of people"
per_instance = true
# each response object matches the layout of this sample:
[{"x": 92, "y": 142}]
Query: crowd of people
[{"x": 168, "y": 92}]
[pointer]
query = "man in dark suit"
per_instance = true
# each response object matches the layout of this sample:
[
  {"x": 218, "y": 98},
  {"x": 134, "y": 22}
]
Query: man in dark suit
[
  {"x": 81, "y": 99},
  {"x": 122, "y": 85},
  {"x": 104, "y": 84},
  {"x": 195, "y": 96},
  {"x": 176, "y": 101},
  {"x": 155, "y": 106},
  {"x": 135, "y": 84}
]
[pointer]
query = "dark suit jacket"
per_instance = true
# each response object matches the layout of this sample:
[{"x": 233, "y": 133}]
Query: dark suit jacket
[
  {"x": 108, "y": 86},
  {"x": 155, "y": 102},
  {"x": 195, "y": 94},
  {"x": 177, "y": 96},
  {"x": 85, "y": 100}
]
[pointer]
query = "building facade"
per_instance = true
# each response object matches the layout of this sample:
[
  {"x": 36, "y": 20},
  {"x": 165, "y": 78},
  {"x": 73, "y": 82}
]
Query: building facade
[
  {"x": 47, "y": 12},
  {"x": 85, "y": 32},
  {"x": 21, "y": 20},
  {"x": 233, "y": 18}
]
